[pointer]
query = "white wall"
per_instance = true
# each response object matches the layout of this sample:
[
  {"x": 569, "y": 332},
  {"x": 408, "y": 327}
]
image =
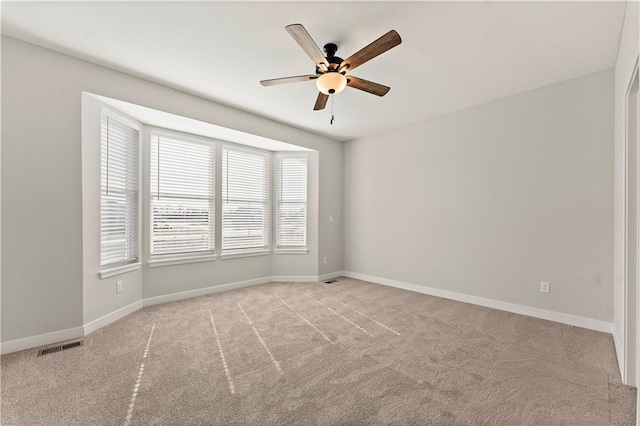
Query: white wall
[
  {"x": 627, "y": 56},
  {"x": 42, "y": 274},
  {"x": 491, "y": 200}
]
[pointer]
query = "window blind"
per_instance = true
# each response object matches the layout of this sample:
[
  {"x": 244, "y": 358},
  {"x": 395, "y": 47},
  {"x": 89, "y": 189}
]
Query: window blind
[
  {"x": 291, "y": 199},
  {"x": 245, "y": 200},
  {"x": 119, "y": 193},
  {"x": 182, "y": 196}
]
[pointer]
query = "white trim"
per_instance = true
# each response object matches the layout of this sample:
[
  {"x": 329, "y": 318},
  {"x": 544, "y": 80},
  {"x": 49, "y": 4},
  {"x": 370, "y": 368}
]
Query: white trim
[
  {"x": 120, "y": 116},
  {"x": 295, "y": 278},
  {"x": 127, "y": 120},
  {"x": 637, "y": 408},
  {"x": 331, "y": 275},
  {"x": 41, "y": 340},
  {"x": 112, "y": 317},
  {"x": 235, "y": 255},
  {"x": 277, "y": 184},
  {"x": 292, "y": 251},
  {"x": 76, "y": 332},
  {"x": 156, "y": 300},
  {"x": 592, "y": 324},
  {"x": 151, "y": 194},
  {"x": 617, "y": 343},
  {"x": 628, "y": 349},
  {"x": 292, "y": 154},
  {"x": 187, "y": 137},
  {"x": 112, "y": 272},
  {"x": 248, "y": 148},
  {"x": 154, "y": 263}
]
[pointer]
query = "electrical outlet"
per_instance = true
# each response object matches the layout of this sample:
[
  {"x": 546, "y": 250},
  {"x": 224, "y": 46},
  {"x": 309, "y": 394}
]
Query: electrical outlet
[
  {"x": 119, "y": 287},
  {"x": 324, "y": 260},
  {"x": 330, "y": 219},
  {"x": 545, "y": 287}
]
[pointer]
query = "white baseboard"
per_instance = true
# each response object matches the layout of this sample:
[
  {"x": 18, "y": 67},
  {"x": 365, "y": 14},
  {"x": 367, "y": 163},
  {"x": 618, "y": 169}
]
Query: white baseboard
[
  {"x": 41, "y": 340},
  {"x": 294, "y": 279},
  {"x": 70, "y": 333},
  {"x": 619, "y": 345},
  {"x": 568, "y": 319},
  {"x": 306, "y": 278},
  {"x": 113, "y": 316},
  {"x": 331, "y": 275},
  {"x": 637, "y": 408},
  {"x": 77, "y": 332},
  {"x": 150, "y": 301}
]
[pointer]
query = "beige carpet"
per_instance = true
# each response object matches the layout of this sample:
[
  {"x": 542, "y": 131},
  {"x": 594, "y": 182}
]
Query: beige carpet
[{"x": 303, "y": 354}]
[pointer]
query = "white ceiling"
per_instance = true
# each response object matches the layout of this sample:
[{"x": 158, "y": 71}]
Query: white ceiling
[{"x": 453, "y": 55}]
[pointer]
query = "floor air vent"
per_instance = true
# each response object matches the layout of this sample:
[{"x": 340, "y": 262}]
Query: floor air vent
[
  {"x": 59, "y": 348},
  {"x": 331, "y": 281}
]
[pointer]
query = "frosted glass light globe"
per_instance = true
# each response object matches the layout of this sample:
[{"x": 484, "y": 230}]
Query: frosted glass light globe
[{"x": 331, "y": 83}]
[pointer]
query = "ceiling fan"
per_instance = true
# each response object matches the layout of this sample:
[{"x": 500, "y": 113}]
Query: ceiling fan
[{"x": 331, "y": 70}]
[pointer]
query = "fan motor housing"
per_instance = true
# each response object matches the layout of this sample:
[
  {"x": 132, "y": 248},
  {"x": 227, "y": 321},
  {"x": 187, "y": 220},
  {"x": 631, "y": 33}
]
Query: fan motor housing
[
  {"x": 334, "y": 61},
  {"x": 333, "y": 67}
]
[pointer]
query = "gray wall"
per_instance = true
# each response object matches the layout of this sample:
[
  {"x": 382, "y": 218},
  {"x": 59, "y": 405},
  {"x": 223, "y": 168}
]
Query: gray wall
[
  {"x": 42, "y": 244},
  {"x": 98, "y": 294},
  {"x": 488, "y": 201},
  {"x": 293, "y": 264},
  {"x": 491, "y": 200}
]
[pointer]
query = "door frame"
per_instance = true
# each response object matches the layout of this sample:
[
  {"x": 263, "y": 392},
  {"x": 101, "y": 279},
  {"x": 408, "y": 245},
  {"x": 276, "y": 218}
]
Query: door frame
[{"x": 631, "y": 325}]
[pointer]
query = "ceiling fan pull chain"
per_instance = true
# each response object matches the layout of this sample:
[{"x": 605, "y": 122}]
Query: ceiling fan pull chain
[{"x": 332, "y": 117}]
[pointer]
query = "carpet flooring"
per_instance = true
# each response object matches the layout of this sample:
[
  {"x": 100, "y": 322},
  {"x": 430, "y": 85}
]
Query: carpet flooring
[{"x": 348, "y": 353}]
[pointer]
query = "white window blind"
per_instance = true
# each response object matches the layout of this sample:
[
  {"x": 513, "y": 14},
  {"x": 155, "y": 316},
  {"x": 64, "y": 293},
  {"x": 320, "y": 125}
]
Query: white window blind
[
  {"x": 291, "y": 199},
  {"x": 119, "y": 193},
  {"x": 245, "y": 200},
  {"x": 182, "y": 196}
]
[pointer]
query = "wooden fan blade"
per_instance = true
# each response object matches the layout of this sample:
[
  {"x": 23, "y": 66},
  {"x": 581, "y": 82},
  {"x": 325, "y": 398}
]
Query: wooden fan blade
[
  {"x": 367, "y": 86},
  {"x": 302, "y": 37},
  {"x": 284, "y": 80},
  {"x": 321, "y": 102},
  {"x": 378, "y": 47}
]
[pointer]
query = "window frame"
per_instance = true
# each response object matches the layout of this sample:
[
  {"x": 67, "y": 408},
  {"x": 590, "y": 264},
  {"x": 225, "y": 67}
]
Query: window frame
[
  {"x": 268, "y": 155},
  {"x": 290, "y": 249},
  {"x": 182, "y": 257},
  {"x": 113, "y": 269},
  {"x": 154, "y": 261}
]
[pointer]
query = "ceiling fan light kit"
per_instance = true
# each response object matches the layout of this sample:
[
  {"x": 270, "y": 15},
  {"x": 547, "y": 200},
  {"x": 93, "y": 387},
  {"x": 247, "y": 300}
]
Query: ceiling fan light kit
[
  {"x": 331, "y": 83},
  {"x": 331, "y": 70}
]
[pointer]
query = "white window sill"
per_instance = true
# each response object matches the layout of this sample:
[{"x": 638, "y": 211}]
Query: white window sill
[
  {"x": 292, "y": 251},
  {"x": 232, "y": 255},
  {"x": 112, "y": 272},
  {"x": 168, "y": 261}
]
